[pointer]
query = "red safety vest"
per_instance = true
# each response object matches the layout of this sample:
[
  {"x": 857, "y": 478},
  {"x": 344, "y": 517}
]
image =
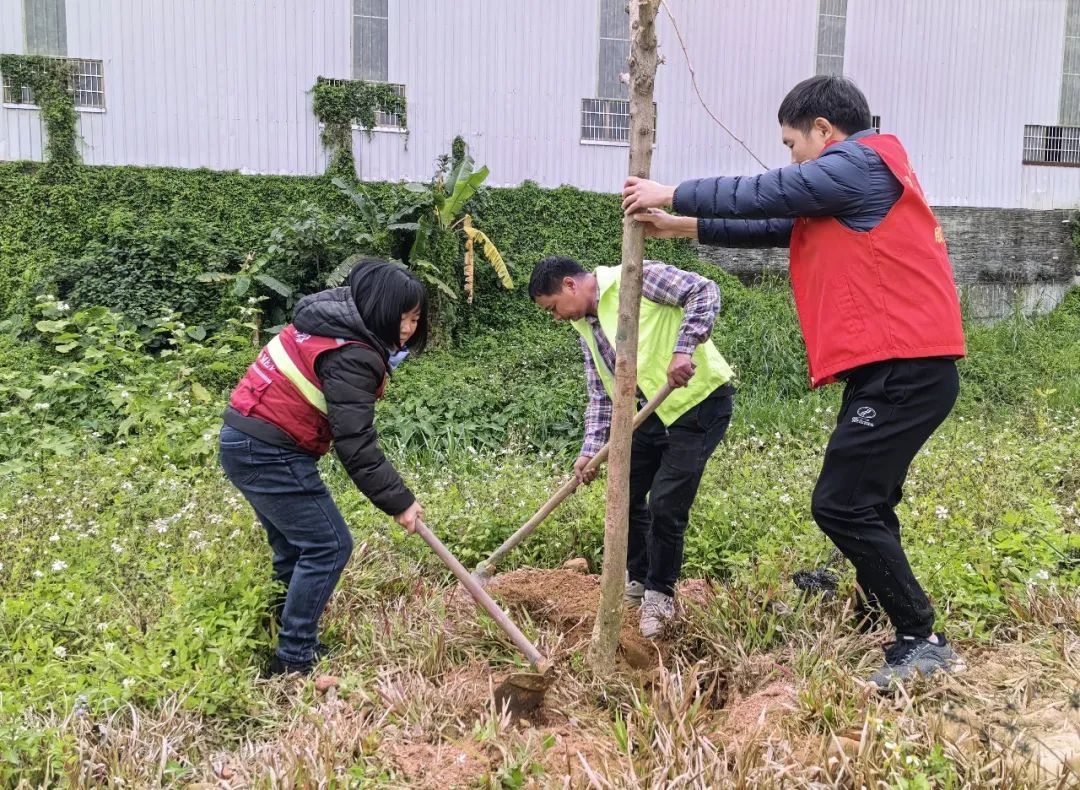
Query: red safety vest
[
  {"x": 887, "y": 293},
  {"x": 282, "y": 388}
]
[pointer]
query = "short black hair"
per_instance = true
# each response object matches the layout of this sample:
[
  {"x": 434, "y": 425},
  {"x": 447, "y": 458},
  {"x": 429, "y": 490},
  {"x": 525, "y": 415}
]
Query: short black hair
[
  {"x": 837, "y": 99},
  {"x": 383, "y": 292},
  {"x": 548, "y": 274}
]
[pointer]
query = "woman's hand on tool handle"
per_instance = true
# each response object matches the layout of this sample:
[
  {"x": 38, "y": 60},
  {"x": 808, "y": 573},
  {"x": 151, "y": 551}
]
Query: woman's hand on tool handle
[
  {"x": 410, "y": 516},
  {"x": 583, "y": 475},
  {"x": 681, "y": 370}
]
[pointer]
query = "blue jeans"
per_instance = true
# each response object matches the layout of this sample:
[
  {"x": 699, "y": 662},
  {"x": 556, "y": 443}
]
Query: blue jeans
[{"x": 309, "y": 538}]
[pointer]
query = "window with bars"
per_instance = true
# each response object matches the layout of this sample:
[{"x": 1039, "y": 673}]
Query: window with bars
[
  {"x": 45, "y": 26},
  {"x": 1069, "y": 113},
  {"x": 832, "y": 25},
  {"x": 875, "y": 122},
  {"x": 87, "y": 85},
  {"x": 370, "y": 45},
  {"x": 1052, "y": 145},
  {"x": 385, "y": 121},
  {"x": 608, "y": 121}
]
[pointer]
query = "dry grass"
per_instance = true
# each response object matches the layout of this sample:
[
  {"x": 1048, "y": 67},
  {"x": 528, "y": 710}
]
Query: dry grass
[{"x": 748, "y": 694}]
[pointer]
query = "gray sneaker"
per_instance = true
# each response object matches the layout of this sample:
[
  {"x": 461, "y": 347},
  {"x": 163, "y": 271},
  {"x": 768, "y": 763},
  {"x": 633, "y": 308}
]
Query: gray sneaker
[
  {"x": 656, "y": 610},
  {"x": 633, "y": 592},
  {"x": 912, "y": 655}
]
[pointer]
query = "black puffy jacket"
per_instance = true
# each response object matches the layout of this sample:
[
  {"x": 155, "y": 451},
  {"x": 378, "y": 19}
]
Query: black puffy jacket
[
  {"x": 848, "y": 181},
  {"x": 350, "y": 376}
]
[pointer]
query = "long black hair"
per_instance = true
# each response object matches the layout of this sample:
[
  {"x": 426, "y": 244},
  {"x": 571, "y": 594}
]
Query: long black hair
[{"x": 383, "y": 292}]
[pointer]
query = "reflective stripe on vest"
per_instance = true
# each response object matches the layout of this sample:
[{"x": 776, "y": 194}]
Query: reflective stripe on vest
[{"x": 288, "y": 368}]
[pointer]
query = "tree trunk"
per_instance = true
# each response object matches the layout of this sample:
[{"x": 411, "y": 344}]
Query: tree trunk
[{"x": 643, "y": 61}]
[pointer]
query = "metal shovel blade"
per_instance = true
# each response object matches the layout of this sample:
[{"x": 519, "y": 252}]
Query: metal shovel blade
[{"x": 522, "y": 692}]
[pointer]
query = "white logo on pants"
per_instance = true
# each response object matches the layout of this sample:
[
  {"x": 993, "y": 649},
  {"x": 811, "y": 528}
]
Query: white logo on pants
[{"x": 864, "y": 415}]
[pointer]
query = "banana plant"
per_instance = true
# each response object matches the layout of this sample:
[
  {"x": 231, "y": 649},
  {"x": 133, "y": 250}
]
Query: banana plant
[
  {"x": 443, "y": 212},
  {"x": 250, "y": 271},
  {"x": 380, "y": 227}
]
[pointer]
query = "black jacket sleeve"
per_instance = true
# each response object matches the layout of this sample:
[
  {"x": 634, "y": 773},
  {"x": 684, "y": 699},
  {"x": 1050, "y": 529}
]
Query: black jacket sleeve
[
  {"x": 350, "y": 378},
  {"x": 745, "y": 232},
  {"x": 835, "y": 184}
]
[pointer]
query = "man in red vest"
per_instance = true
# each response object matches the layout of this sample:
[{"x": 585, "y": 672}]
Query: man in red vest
[{"x": 879, "y": 311}]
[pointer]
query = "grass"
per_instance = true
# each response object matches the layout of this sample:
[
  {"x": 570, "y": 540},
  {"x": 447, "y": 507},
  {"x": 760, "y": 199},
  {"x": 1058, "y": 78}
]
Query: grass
[{"x": 134, "y": 578}]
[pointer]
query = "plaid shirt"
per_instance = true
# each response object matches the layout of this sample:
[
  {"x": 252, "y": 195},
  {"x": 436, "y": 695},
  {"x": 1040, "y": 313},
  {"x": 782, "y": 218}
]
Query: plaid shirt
[{"x": 700, "y": 299}]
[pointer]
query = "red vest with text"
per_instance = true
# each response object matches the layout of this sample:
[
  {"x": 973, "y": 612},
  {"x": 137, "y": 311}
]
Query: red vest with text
[
  {"x": 282, "y": 388},
  {"x": 868, "y": 296}
]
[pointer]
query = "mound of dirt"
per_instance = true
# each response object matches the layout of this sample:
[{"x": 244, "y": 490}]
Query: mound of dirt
[
  {"x": 571, "y": 751},
  {"x": 567, "y": 601},
  {"x": 445, "y": 765}
]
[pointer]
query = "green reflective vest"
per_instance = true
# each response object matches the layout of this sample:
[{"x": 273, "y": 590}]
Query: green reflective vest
[{"x": 658, "y": 329}]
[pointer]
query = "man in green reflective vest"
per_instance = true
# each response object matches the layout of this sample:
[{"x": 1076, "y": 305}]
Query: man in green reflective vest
[{"x": 671, "y": 447}]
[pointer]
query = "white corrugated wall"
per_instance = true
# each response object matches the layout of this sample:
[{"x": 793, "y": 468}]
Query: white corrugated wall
[{"x": 224, "y": 84}]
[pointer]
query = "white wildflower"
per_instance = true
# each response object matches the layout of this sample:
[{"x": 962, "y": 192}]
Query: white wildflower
[
  {"x": 60, "y": 651},
  {"x": 59, "y": 565}
]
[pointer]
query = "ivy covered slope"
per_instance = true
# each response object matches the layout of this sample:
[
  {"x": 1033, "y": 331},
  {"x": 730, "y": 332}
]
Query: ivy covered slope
[{"x": 158, "y": 228}]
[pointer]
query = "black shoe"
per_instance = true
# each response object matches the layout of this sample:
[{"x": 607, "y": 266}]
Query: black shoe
[
  {"x": 909, "y": 656},
  {"x": 279, "y": 666}
]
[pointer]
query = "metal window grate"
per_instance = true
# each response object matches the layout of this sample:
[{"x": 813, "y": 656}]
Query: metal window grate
[
  {"x": 875, "y": 122},
  {"x": 88, "y": 78},
  {"x": 608, "y": 121},
  {"x": 87, "y": 85},
  {"x": 391, "y": 120},
  {"x": 383, "y": 120},
  {"x": 1052, "y": 145}
]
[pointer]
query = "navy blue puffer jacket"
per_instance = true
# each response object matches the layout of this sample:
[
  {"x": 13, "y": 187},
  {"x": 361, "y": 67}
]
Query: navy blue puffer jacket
[{"x": 848, "y": 181}]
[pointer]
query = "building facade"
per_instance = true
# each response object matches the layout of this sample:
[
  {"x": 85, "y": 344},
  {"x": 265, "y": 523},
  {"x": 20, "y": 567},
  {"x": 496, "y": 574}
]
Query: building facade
[{"x": 984, "y": 93}]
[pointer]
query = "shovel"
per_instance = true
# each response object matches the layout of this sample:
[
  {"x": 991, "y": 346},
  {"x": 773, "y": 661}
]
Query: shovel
[
  {"x": 521, "y": 692},
  {"x": 486, "y": 569}
]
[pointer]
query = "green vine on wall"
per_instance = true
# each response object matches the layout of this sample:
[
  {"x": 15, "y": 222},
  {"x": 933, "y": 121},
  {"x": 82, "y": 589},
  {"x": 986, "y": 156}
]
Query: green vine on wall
[
  {"x": 50, "y": 79},
  {"x": 338, "y": 104}
]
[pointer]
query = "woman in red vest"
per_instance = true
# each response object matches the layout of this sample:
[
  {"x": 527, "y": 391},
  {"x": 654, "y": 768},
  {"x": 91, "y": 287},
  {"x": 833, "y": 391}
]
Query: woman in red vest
[
  {"x": 314, "y": 384},
  {"x": 879, "y": 311}
]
